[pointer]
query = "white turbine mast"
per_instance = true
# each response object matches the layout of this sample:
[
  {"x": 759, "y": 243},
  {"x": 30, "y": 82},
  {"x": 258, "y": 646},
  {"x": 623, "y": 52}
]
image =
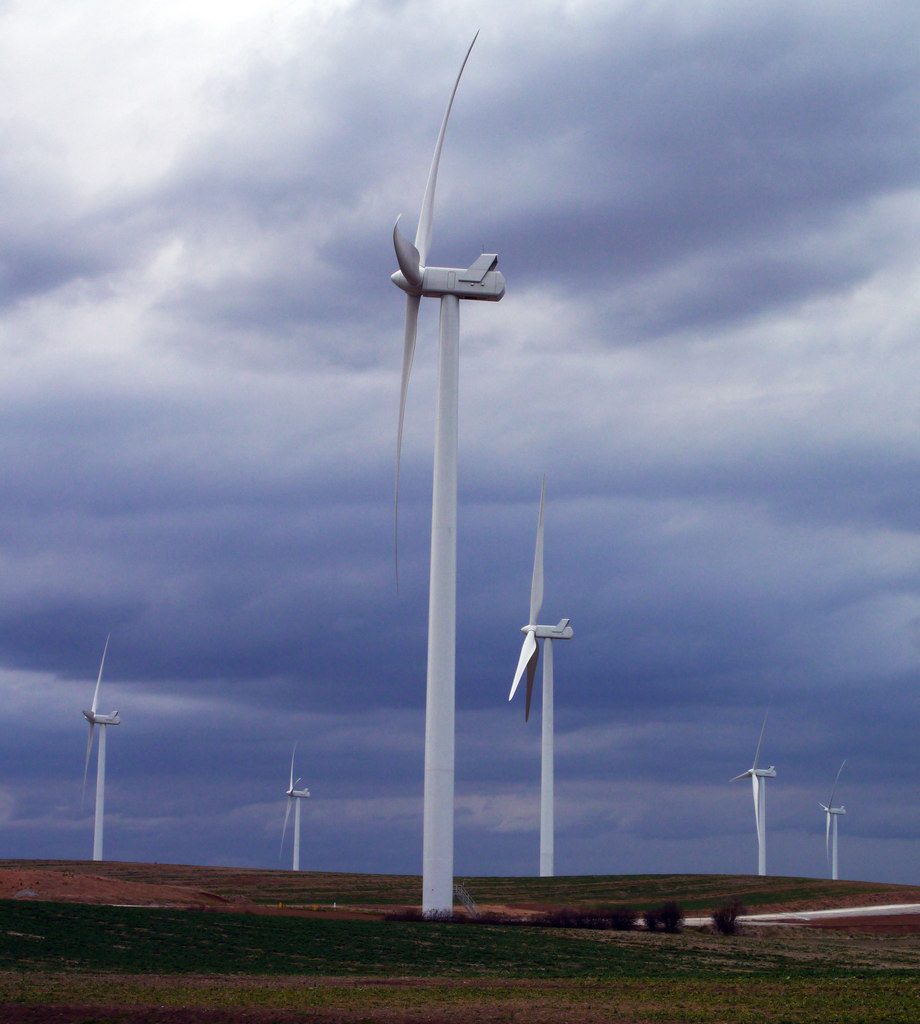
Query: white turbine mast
[
  {"x": 530, "y": 655},
  {"x": 831, "y": 812},
  {"x": 758, "y": 778},
  {"x": 94, "y": 718},
  {"x": 294, "y": 796},
  {"x": 478, "y": 281}
]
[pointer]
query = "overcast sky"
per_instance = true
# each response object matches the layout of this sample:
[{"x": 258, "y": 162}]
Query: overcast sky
[{"x": 708, "y": 217}]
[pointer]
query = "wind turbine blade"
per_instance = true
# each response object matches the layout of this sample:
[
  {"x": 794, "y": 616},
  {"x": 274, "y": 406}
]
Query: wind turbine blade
[
  {"x": 531, "y": 674},
  {"x": 426, "y": 215},
  {"x": 287, "y": 815},
  {"x": 755, "y": 782},
  {"x": 527, "y": 650},
  {"x": 536, "y": 586},
  {"x": 830, "y": 803},
  {"x": 760, "y": 740},
  {"x": 293, "y": 752},
  {"x": 89, "y": 750},
  {"x": 827, "y": 836},
  {"x": 407, "y": 256},
  {"x": 99, "y": 679},
  {"x": 412, "y": 304}
]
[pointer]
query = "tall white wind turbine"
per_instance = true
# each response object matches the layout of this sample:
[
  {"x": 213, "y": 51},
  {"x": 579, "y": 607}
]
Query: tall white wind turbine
[
  {"x": 479, "y": 281},
  {"x": 832, "y": 812},
  {"x": 758, "y": 777},
  {"x": 294, "y": 796},
  {"x": 530, "y": 655},
  {"x": 94, "y": 718}
]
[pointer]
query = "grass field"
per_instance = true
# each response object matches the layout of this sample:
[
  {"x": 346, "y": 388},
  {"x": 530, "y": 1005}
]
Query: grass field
[{"x": 101, "y": 965}]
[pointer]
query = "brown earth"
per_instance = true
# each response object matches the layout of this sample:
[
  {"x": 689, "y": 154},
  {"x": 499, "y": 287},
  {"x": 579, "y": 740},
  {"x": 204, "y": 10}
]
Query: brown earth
[
  {"x": 72, "y": 887},
  {"x": 64, "y": 886},
  {"x": 81, "y": 882}
]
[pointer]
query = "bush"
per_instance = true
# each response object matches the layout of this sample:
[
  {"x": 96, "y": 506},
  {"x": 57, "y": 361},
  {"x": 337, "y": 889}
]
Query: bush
[
  {"x": 623, "y": 919},
  {"x": 725, "y": 919},
  {"x": 672, "y": 917},
  {"x": 415, "y": 914},
  {"x": 404, "y": 914},
  {"x": 618, "y": 918},
  {"x": 668, "y": 916}
]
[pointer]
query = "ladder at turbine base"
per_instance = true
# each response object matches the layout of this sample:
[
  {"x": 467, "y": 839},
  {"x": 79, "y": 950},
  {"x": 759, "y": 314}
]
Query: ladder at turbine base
[{"x": 461, "y": 894}]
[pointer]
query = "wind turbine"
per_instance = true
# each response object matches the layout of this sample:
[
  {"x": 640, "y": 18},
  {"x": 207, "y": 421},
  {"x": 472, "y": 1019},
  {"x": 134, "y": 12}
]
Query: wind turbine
[
  {"x": 757, "y": 775},
  {"x": 832, "y": 812},
  {"x": 479, "y": 281},
  {"x": 530, "y": 655},
  {"x": 294, "y": 796},
  {"x": 94, "y": 719}
]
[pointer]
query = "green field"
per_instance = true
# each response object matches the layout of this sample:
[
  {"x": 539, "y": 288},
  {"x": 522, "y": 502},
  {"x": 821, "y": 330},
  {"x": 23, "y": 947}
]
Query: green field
[{"x": 76, "y": 964}]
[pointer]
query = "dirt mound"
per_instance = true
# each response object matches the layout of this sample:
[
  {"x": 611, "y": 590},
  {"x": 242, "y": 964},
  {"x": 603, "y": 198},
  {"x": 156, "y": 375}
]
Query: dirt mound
[{"x": 74, "y": 887}]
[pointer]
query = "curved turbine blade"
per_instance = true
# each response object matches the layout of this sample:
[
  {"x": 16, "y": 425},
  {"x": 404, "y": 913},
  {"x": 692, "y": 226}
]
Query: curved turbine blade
[
  {"x": 407, "y": 256},
  {"x": 89, "y": 750},
  {"x": 293, "y": 752},
  {"x": 527, "y": 651},
  {"x": 827, "y": 836},
  {"x": 99, "y": 679},
  {"x": 830, "y": 803},
  {"x": 287, "y": 815},
  {"x": 760, "y": 740},
  {"x": 412, "y": 304},
  {"x": 536, "y": 585},
  {"x": 531, "y": 674},
  {"x": 426, "y": 215}
]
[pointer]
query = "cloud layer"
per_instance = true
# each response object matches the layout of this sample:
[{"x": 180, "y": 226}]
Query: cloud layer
[{"x": 707, "y": 218}]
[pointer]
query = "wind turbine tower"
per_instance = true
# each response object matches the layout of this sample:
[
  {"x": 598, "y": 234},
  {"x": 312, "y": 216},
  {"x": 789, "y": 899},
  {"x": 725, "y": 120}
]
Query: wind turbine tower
[
  {"x": 530, "y": 655},
  {"x": 94, "y": 718},
  {"x": 758, "y": 777},
  {"x": 478, "y": 281},
  {"x": 294, "y": 796},
  {"x": 831, "y": 812}
]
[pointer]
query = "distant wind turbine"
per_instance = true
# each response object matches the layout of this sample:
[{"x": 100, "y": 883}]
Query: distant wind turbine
[
  {"x": 757, "y": 777},
  {"x": 294, "y": 796},
  {"x": 94, "y": 719},
  {"x": 479, "y": 281},
  {"x": 831, "y": 812},
  {"x": 530, "y": 655}
]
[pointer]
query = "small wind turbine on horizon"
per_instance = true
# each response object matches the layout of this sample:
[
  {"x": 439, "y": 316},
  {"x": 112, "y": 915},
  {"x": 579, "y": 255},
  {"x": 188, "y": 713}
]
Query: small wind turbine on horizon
[
  {"x": 832, "y": 812},
  {"x": 294, "y": 796},
  {"x": 94, "y": 718},
  {"x": 530, "y": 655},
  {"x": 758, "y": 777},
  {"x": 478, "y": 281}
]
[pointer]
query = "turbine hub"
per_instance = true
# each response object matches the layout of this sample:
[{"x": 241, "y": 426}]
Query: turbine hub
[{"x": 399, "y": 279}]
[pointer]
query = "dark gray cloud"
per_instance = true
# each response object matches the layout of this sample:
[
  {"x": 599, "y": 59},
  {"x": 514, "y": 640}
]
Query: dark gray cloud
[{"x": 707, "y": 222}]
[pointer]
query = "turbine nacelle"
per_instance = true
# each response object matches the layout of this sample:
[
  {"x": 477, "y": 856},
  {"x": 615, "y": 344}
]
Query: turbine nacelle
[
  {"x": 761, "y": 773},
  {"x": 473, "y": 283},
  {"x": 833, "y": 810},
  {"x": 94, "y": 718},
  {"x": 561, "y": 631}
]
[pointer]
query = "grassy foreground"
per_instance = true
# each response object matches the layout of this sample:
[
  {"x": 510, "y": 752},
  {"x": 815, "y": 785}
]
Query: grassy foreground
[{"x": 81, "y": 964}]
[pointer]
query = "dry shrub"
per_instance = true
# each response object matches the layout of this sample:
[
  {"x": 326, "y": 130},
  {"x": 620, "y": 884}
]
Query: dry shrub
[
  {"x": 668, "y": 916},
  {"x": 725, "y": 919}
]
